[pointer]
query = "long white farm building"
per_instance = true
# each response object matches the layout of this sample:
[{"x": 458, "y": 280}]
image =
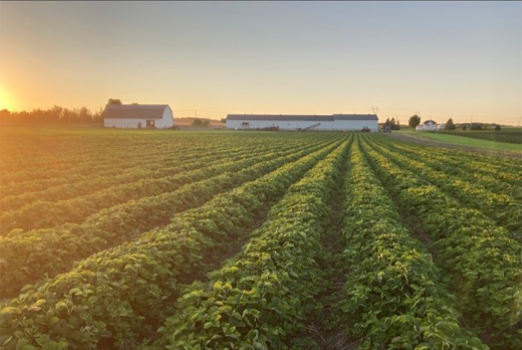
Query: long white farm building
[
  {"x": 354, "y": 122},
  {"x": 138, "y": 116}
]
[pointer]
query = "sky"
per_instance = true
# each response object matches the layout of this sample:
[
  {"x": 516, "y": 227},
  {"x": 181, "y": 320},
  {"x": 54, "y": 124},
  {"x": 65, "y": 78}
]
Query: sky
[{"x": 441, "y": 59}]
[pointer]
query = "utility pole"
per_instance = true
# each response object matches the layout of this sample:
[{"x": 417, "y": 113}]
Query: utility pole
[
  {"x": 471, "y": 127},
  {"x": 375, "y": 110}
]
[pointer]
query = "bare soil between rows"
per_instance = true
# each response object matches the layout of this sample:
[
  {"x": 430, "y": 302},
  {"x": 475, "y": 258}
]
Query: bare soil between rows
[{"x": 432, "y": 143}]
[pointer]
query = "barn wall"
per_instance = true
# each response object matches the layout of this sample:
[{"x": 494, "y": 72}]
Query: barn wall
[
  {"x": 167, "y": 121},
  {"x": 124, "y": 123},
  {"x": 295, "y": 124},
  {"x": 356, "y": 124}
]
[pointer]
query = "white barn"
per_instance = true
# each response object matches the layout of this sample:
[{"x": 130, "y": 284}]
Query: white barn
[
  {"x": 352, "y": 122},
  {"x": 137, "y": 116}
]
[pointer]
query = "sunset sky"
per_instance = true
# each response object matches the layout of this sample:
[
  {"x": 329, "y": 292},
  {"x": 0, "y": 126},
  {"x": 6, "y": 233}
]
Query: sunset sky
[{"x": 458, "y": 60}]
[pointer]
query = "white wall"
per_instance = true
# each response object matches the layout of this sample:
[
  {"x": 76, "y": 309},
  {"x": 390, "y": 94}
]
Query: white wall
[
  {"x": 124, "y": 123},
  {"x": 295, "y": 124},
  {"x": 167, "y": 121}
]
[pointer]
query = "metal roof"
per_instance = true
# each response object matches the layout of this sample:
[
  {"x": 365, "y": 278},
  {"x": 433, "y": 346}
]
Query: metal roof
[
  {"x": 355, "y": 117},
  {"x": 301, "y": 117},
  {"x": 134, "y": 111},
  {"x": 286, "y": 117}
]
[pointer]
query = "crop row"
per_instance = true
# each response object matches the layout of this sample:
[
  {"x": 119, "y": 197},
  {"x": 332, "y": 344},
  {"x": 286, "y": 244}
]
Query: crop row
[
  {"x": 392, "y": 297},
  {"x": 500, "y": 207},
  {"x": 101, "y": 182},
  {"x": 42, "y": 214},
  {"x": 117, "y": 297},
  {"x": 259, "y": 299},
  {"x": 483, "y": 263},
  {"x": 460, "y": 169},
  {"x": 93, "y": 149},
  {"x": 56, "y": 169},
  {"x": 503, "y": 168},
  {"x": 115, "y": 165},
  {"x": 27, "y": 256}
]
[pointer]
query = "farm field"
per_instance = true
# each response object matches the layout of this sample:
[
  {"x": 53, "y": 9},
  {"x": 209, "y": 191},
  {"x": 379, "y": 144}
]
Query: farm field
[
  {"x": 470, "y": 139},
  {"x": 123, "y": 239},
  {"x": 509, "y": 135}
]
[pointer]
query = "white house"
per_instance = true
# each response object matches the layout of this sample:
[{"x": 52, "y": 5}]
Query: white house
[
  {"x": 428, "y": 125},
  {"x": 441, "y": 126},
  {"x": 353, "y": 122},
  {"x": 137, "y": 116}
]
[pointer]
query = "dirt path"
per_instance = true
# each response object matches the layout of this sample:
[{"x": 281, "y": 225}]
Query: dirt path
[
  {"x": 322, "y": 330},
  {"x": 408, "y": 138}
]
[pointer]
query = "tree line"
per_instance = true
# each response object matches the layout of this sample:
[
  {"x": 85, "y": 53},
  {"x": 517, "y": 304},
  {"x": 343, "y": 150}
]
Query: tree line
[{"x": 55, "y": 115}]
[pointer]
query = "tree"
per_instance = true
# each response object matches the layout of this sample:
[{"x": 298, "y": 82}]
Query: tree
[
  {"x": 114, "y": 101},
  {"x": 394, "y": 125},
  {"x": 450, "y": 125},
  {"x": 197, "y": 122},
  {"x": 200, "y": 122},
  {"x": 497, "y": 127},
  {"x": 414, "y": 121}
]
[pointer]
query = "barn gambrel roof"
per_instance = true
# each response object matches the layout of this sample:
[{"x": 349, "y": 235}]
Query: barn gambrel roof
[{"x": 134, "y": 111}]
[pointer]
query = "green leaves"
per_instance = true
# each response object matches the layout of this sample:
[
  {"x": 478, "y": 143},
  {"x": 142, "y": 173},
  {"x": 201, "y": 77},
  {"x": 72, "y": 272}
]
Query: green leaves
[
  {"x": 481, "y": 260},
  {"x": 393, "y": 297},
  {"x": 119, "y": 295},
  {"x": 259, "y": 295}
]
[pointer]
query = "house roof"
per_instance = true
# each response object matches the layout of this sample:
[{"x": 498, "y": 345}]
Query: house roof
[
  {"x": 134, "y": 111},
  {"x": 430, "y": 122},
  {"x": 301, "y": 117}
]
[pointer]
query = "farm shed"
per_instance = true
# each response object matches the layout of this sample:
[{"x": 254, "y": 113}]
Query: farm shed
[
  {"x": 302, "y": 122},
  {"x": 137, "y": 116}
]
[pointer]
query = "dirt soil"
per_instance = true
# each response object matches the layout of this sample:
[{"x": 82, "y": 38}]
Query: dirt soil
[{"x": 423, "y": 142}]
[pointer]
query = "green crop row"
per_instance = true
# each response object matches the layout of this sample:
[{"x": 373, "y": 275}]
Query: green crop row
[
  {"x": 500, "y": 207},
  {"x": 149, "y": 168},
  {"x": 56, "y": 169},
  {"x": 157, "y": 168},
  {"x": 120, "y": 161},
  {"x": 28, "y": 256},
  {"x": 506, "y": 169},
  {"x": 484, "y": 264},
  {"x": 119, "y": 296},
  {"x": 44, "y": 214},
  {"x": 260, "y": 297},
  {"x": 59, "y": 163},
  {"x": 392, "y": 297},
  {"x": 435, "y": 160}
]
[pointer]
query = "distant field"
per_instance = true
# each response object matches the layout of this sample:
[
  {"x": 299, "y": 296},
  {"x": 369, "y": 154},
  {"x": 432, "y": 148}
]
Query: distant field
[
  {"x": 509, "y": 135},
  {"x": 465, "y": 140}
]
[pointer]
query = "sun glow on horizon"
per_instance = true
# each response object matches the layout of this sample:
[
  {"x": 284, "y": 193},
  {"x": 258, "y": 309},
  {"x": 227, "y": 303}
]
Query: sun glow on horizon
[{"x": 6, "y": 100}]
